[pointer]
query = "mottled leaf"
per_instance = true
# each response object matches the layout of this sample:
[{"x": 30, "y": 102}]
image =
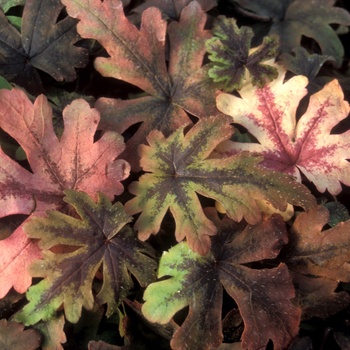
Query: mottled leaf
[
  {"x": 263, "y": 296},
  {"x": 231, "y": 56},
  {"x": 99, "y": 239},
  {"x": 179, "y": 167},
  {"x": 288, "y": 145},
  {"x": 312, "y": 251},
  {"x": 137, "y": 56},
  {"x": 14, "y": 337},
  {"x": 73, "y": 161},
  {"x": 43, "y": 44}
]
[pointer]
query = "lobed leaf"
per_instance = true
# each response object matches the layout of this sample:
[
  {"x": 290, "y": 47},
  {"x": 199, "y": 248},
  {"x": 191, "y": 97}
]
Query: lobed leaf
[
  {"x": 229, "y": 51},
  {"x": 98, "y": 239},
  {"x": 292, "y": 19},
  {"x": 180, "y": 168},
  {"x": 75, "y": 161},
  {"x": 263, "y": 296},
  {"x": 303, "y": 63},
  {"x": 53, "y": 334},
  {"x": 306, "y": 146},
  {"x": 137, "y": 56},
  {"x": 41, "y": 45},
  {"x": 316, "y": 252}
]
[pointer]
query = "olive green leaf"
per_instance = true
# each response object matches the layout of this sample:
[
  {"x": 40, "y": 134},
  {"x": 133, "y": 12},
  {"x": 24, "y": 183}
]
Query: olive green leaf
[
  {"x": 262, "y": 295},
  {"x": 180, "y": 167},
  {"x": 231, "y": 55},
  {"x": 75, "y": 249}
]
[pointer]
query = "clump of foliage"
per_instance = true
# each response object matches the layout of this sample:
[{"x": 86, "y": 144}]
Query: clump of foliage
[{"x": 174, "y": 174}]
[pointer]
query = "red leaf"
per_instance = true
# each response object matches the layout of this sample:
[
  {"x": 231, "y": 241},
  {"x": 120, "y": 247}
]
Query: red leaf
[
  {"x": 137, "y": 56},
  {"x": 17, "y": 253},
  {"x": 73, "y": 162},
  {"x": 305, "y": 146}
]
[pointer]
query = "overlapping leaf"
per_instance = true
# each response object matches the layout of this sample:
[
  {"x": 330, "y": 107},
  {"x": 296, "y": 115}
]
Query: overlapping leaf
[
  {"x": 52, "y": 332},
  {"x": 305, "y": 146},
  {"x": 323, "y": 255},
  {"x": 320, "y": 253},
  {"x": 42, "y": 44},
  {"x": 180, "y": 168},
  {"x": 303, "y": 63},
  {"x": 292, "y": 19},
  {"x": 138, "y": 57},
  {"x": 99, "y": 239},
  {"x": 229, "y": 51},
  {"x": 75, "y": 161},
  {"x": 263, "y": 296}
]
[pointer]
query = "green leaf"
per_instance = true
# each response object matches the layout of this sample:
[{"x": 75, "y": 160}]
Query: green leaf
[
  {"x": 180, "y": 167},
  {"x": 337, "y": 213},
  {"x": 4, "y": 84},
  {"x": 98, "y": 239},
  {"x": 229, "y": 51},
  {"x": 263, "y": 296},
  {"x": 7, "y": 4}
]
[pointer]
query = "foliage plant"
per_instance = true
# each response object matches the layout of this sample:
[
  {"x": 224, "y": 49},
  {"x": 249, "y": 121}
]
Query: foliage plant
[{"x": 174, "y": 174}]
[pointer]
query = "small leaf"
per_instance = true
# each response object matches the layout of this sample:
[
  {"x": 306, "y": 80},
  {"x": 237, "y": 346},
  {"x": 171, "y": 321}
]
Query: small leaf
[
  {"x": 198, "y": 281},
  {"x": 14, "y": 337},
  {"x": 180, "y": 167},
  {"x": 229, "y": 51},
  {"x": 99, "y": 239}
]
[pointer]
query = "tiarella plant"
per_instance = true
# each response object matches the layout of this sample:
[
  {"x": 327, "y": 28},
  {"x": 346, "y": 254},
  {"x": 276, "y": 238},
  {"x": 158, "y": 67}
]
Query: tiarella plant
[{"x": 174, "y": 174}]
